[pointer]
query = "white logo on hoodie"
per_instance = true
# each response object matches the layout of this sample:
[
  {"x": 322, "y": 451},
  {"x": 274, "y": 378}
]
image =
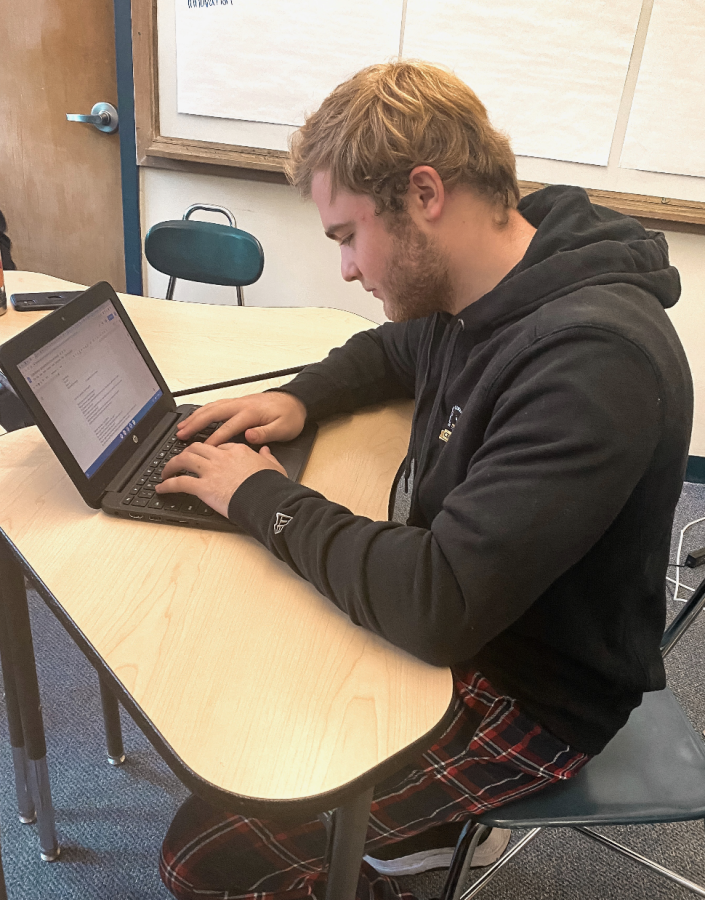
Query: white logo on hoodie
[{"x": 281, "y": 522}]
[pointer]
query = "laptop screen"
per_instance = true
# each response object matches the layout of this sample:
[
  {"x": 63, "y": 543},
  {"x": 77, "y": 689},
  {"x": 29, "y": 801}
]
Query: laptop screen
[{"x": 93, "y": 384}]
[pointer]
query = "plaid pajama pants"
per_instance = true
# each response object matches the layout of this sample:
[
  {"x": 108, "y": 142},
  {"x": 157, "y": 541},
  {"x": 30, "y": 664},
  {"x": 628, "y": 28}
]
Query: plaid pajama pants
[{"x": 490, "y": 754}]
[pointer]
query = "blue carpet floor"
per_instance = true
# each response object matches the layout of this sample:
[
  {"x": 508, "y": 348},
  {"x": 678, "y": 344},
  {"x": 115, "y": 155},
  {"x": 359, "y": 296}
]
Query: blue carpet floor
[{"x": 110, "y": 820}]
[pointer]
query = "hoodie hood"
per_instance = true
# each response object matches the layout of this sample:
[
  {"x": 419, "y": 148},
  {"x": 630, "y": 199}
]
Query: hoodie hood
[{"x": 577, "y": 244}]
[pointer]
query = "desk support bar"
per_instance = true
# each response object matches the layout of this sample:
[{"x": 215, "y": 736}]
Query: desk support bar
[
  {"x": 346, "y": 846},
  {"x": 25, "y": 806},
  {"x": 13, "y": 598},
  {"x": 248, "y": 379}
]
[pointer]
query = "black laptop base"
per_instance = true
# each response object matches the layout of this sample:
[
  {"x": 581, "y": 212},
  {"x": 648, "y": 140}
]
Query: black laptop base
[{"x": 139, "y": 499}]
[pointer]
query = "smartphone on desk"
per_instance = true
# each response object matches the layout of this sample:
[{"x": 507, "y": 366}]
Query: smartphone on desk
[{"x": 42, "y": 300}]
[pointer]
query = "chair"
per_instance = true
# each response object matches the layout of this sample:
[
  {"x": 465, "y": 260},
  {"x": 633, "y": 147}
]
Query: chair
[
  {"x": 204, "y": 251},
  {"x": 652, "y": 771}
]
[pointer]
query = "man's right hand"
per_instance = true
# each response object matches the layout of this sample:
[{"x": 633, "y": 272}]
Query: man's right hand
[{"x": 274, "y": 416}]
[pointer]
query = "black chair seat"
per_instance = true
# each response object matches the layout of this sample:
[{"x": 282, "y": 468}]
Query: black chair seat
[{"x": 653, "y": 770}]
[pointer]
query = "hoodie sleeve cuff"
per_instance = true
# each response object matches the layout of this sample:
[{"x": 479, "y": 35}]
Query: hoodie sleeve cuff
[
  {"x": 314, "y": 393},
  {"x": 258, "y": 504}
]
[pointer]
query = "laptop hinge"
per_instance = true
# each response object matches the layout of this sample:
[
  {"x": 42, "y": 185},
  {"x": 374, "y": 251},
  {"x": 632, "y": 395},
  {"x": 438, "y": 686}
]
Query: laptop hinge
[{"x": 119, "y": 482}]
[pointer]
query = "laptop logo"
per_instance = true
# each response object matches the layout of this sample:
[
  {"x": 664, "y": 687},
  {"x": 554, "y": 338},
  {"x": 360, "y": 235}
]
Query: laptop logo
[{"x": 281, "y": 522}]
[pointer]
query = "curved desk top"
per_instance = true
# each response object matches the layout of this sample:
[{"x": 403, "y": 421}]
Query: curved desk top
[
  {"x": 255, "y": 682},
  {"x": 201, "y": 343}
]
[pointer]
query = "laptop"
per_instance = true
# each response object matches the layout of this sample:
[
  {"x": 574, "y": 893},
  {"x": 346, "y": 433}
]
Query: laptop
[{"x": 104, "y": 408}]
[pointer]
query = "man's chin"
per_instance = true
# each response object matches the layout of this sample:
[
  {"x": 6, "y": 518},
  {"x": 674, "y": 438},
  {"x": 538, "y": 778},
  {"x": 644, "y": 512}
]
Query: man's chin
[
  {"x": 399, "y": 312},
  {"x": 391, "y": 311}
]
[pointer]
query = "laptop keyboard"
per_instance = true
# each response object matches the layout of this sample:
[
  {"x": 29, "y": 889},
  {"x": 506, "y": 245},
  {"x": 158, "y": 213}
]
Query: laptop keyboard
[{"x": 142, "y": 493}]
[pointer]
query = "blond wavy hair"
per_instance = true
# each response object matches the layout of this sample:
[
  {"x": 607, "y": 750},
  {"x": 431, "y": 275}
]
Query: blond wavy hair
[{"x": 375, "y": 128}]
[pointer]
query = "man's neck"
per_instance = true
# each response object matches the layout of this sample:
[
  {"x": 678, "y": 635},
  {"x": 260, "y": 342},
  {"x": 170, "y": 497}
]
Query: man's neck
[{"x": 481, "y": 252}]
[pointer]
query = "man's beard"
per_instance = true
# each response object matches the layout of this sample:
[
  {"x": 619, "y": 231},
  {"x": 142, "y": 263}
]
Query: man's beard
[{"x": 417, "y": 281}]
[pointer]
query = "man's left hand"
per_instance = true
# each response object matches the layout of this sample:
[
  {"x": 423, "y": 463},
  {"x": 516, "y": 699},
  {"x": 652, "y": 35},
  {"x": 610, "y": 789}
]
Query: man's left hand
[{"x": 217, "y": 472}]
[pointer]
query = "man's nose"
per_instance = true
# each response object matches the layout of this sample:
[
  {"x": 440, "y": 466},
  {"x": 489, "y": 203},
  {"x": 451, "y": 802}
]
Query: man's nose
[{"x": 348, "y": 269}]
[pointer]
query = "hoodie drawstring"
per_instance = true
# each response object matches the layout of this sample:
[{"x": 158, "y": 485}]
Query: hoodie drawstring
[
  {"x": 418, "y": 465},
  {"x": 425, "y": 351},
  {"x": 448, "y": 358}
]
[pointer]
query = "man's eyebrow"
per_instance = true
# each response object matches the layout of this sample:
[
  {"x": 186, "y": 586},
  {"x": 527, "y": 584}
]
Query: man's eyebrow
[{"x": 332, "y": 232}]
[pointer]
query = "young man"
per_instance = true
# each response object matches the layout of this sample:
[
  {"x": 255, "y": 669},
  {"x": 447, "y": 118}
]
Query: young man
[{"x": 531, "y": 527}]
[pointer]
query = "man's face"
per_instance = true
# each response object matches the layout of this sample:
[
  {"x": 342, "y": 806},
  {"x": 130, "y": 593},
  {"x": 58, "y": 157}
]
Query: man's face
[{"x": 389, "y": 255}]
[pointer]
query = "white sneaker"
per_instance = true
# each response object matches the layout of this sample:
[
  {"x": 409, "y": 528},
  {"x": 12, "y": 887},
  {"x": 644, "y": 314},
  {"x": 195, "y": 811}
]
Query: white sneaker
[{"x": 433, "y": 849}]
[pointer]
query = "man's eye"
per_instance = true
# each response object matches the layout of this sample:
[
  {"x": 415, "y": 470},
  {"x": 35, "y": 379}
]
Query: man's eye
[{"x": 346, "y": 241}]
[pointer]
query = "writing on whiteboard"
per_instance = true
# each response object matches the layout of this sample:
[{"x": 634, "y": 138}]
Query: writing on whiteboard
[{"x": 194, "y": 4}]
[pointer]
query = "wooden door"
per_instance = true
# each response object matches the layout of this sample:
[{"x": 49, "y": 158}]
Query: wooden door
[{"x": 60, "y": 181}]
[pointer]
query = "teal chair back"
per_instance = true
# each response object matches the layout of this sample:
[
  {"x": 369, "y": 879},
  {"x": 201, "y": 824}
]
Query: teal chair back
[{"x": 205, "y": 252}]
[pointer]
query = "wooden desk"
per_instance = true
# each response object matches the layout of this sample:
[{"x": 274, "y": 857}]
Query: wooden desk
[
  {"x": 196, "y": 627},
  {"x": 199, "y": 343}
]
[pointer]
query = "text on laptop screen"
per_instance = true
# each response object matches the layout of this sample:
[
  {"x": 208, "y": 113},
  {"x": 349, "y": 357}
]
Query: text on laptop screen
[{"x": 93, "y": 384}]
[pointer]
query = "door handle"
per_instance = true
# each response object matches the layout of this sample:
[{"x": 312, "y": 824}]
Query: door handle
[{"x": 103, "y": 115}]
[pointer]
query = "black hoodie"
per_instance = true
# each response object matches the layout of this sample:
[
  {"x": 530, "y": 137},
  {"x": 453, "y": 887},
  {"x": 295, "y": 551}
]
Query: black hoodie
[{"x": 548, "y": 448}]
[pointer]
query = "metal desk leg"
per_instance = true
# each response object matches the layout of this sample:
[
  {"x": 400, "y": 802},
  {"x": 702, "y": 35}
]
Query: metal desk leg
[
  {"x": 113, "y": 728},
  {"x": 346, "y": 847},
  {"x": 14, "y": 599},
  {"x": 25, "y": 805}
]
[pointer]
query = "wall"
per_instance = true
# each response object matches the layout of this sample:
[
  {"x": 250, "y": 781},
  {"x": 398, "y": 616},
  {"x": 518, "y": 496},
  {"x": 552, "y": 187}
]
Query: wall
[
  {"x": 302, "y": 267},
  {"x": 688, "y": 316}
]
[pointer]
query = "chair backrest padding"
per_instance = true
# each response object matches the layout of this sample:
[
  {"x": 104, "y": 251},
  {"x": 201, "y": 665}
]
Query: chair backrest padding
[{"x": 204, "y": 251}]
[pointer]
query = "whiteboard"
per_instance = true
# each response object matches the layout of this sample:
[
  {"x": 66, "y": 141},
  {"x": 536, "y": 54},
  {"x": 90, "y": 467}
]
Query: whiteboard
[
  {"x": 274, "y": 60},
  {"x": 666, "y": 131},
  {"x": 181, "y": 135},
  {"x": 550, "y": 72}
]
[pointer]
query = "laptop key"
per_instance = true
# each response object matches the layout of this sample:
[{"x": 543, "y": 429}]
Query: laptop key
[
  {"x": 140, "y": 501},
  {"x": 127, "y": 500},
  {"x": 156, "y": 503},
  {"x": 204, "y": 510},
  {"x": 174, "y": 503}
]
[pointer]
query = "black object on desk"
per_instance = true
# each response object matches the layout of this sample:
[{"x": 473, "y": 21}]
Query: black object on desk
[
  {"x": 13, "y": 413},
  {"x": 42, "y": 300}
]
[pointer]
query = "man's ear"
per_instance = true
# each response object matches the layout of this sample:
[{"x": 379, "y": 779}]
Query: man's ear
[{"x": 426, "y": 195}]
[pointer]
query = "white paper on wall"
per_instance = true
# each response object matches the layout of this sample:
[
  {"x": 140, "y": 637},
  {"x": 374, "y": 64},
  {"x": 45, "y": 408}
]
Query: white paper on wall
[
  {"x": 550, "y": 72},
  {"x": 666, "y": 130},
  {"x": 274, "y": 60}
]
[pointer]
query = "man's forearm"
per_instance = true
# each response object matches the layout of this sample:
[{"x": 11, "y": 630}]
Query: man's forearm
[{"x": 357, "y": 374}]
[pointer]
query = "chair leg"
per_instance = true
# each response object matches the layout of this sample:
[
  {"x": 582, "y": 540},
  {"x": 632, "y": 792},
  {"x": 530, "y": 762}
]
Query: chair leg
[
  {"x": 489, "y": 873},
  {"x": 113, "y": 727},
  {"x": 642, "y": 860},
  {"x": 462, "y": 858}
]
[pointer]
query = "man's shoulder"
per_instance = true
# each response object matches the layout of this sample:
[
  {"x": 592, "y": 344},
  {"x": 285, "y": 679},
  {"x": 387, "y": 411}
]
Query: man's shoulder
[{"x": 624, "y": 310}]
